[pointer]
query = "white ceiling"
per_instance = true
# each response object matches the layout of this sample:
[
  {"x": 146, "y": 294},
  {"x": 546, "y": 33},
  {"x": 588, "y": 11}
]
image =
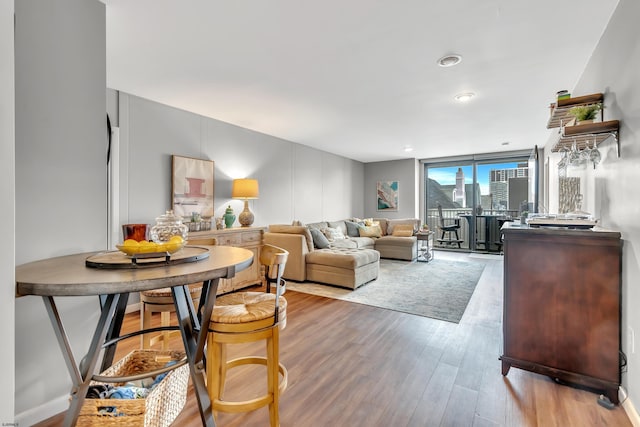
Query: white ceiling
[{"x": 359, "y": 78}]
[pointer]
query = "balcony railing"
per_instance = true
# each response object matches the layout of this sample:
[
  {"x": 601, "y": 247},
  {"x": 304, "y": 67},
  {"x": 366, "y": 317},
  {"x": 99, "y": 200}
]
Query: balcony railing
[{"x": 489, "y": 234}]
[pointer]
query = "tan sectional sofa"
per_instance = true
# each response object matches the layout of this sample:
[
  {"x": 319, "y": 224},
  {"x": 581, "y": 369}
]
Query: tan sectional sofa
[{"x": 349, "y": 261}]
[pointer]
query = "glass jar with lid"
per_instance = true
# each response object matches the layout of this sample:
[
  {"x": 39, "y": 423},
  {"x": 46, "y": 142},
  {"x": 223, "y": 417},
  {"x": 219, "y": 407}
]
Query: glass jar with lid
[{"x": 167, "y": 226}]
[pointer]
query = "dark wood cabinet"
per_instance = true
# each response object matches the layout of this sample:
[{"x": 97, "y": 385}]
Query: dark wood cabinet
[{"x": 562, "y": 305}]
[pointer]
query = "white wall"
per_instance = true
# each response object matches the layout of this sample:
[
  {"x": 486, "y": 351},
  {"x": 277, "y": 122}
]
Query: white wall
[
  {"x": 407, "y": 173},
  {"x": 7, "y": 215},
  {"x": 60, "y": 187},
  {"x": 611, "y": 191},
  {"x": 296, "y": 182}
]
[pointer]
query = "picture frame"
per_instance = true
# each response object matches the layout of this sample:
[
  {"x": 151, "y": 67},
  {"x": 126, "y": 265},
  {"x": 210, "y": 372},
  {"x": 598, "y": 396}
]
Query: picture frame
[
  {"x": 192, "y": 186},
  {"x": 387, "y": 195}
]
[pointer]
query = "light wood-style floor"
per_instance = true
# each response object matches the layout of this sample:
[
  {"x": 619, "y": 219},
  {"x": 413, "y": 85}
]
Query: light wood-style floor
[{"x": 355, "y": 365}]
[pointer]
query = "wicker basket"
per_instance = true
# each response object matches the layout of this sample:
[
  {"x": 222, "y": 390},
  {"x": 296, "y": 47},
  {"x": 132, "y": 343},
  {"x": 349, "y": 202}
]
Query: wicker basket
[{"x": 159, "y": 409}]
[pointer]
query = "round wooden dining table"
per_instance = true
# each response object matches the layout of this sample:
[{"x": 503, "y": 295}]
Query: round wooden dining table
[{"x": 85, "y": 274}]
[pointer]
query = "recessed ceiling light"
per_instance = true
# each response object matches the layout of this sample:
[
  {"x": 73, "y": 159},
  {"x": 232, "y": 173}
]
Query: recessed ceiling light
[
  {"x": 408, "y": 148},
  {"x": 506, "y": 143},
  {"x": 449, "y": 60},
  {"x": 464, "y": 97}
]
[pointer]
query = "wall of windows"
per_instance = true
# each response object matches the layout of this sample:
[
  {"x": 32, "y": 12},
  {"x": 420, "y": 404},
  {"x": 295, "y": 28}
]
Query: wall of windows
[{"x": 473, "y": 197}]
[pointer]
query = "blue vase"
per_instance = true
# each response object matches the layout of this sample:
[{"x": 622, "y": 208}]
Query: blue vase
[{"x": 229, "y": 217}]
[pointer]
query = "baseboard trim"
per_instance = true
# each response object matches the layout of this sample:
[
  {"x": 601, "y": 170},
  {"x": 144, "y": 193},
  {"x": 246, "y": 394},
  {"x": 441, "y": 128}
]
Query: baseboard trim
[
  {"x": 132, "y": 307},
  {"x": 630, "y": 409},
  {"x": 40, "y": 413}
]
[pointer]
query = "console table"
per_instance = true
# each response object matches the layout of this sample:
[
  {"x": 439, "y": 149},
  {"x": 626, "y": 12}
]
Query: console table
[
  {"x": 242, "y": 237},
  {"x": 68, "y": 276}
]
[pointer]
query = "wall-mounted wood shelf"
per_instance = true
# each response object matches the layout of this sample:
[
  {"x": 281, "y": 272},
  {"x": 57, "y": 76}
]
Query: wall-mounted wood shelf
[
  {"x": 560, "y": 110},
  {"x": 584, "y": 135}
]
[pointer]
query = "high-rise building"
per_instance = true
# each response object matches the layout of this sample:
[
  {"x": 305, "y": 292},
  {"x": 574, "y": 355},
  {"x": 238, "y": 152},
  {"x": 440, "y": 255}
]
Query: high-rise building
[
  {"x": 459, "y": 192},
  {"x": 499, "y": 186}
]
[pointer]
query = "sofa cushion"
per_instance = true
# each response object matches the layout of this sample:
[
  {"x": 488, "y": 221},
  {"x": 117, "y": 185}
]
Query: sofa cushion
[
  {"x": 343, "y": 258},
  {"x": 339, "y": 224},
  {"x": 319, "y": 240},
  {"x": 402, "y": 230},
  {"x": 293, "y": 229},
  {"x": 395, "y": 241},
  {"x": 347, "y": 243},
  {"x": 319, "y": 225},
  {"x": 363, "y": 242},
  {"x": 383, "y": 222},
  {"x": 371, "y": 231},
  {"x": 352, "y": 228},
  {"x": 333, "y": 234}
]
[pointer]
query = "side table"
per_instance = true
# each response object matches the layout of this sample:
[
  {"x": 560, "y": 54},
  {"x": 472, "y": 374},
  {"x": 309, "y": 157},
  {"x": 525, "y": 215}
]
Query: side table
[{"x": 424, "y": 246}]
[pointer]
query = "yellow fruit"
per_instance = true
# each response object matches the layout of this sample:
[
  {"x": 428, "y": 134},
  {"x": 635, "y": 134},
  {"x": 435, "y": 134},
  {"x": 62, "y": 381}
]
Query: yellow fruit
[
  {"x": 172, "y": 247},
  {"x": 146, "y": 247},
  {"x": 176, "y": 239},
  {"x": 131, "y": 242}
]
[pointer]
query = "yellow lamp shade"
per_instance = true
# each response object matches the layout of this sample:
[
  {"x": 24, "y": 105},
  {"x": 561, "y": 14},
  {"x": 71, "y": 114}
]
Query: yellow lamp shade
[{"x": 244, "y": 189}]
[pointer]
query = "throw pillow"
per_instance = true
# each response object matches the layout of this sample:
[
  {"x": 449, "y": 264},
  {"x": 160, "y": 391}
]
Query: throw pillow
[
  {"x": 402, "y": 230},
  {"x": 393, "y": 223},
  {"x": 352, "y": 228},
  {"x": 333, "y": 233},
  {"x": 370, "y": 231},
  {"x": 319, "y": 240}
]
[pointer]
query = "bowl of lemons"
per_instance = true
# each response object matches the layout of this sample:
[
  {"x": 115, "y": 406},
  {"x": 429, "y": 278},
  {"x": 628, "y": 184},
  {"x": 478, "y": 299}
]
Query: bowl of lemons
[{"x": 133, "y": 247}]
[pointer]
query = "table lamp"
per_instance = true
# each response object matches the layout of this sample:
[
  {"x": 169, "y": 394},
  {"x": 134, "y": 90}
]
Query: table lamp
[{"x": 245, "y": 189}]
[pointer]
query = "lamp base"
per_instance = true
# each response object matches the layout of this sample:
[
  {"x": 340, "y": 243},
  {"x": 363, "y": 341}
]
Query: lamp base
[{"x": 246, "y": 216}]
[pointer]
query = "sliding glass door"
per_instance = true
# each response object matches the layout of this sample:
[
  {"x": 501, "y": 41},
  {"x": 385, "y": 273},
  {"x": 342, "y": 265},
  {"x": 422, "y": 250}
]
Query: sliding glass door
[{"x": 467, "y": 202}]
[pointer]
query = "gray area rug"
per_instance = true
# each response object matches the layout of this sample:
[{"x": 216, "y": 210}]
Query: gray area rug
[{"x": 440, "y": 289}]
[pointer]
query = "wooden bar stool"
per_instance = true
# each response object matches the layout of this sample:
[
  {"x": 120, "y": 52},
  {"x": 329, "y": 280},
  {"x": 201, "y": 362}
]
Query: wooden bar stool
[
  {"x": 161, "y": 301},
  {"x": 244, "y": 317}
]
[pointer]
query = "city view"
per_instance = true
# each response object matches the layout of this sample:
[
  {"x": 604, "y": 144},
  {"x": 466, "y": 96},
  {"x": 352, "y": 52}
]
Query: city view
[
  {"x": 499, "y": 187},
  {"x": 499, "y": 193}
]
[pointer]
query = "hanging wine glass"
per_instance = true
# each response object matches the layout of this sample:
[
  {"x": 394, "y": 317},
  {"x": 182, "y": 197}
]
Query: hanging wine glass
[
  {"x": 575, "y": 158},
  {"x": 584, "y": 154},
  {"x": 562, "y": 164},
  {"x": 594, "y": 155}
]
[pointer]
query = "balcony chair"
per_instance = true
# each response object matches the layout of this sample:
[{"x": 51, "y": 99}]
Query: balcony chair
[
  {"x": 245, "y": 317},
  {"x": 161, "y": 301},
  {"x": 448, "y": 229}
]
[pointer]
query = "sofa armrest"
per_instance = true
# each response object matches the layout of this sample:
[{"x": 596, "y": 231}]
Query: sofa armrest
[{"x": 296, "y": 245}]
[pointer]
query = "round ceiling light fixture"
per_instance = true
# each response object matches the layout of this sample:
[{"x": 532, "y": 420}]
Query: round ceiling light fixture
[
  {"x": 449, "y": 60},
  {"x": 464, "y": 97}
]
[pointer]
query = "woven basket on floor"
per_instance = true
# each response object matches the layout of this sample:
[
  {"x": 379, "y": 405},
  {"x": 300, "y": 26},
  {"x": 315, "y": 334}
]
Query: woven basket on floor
[{"x": 159, "y": 409}]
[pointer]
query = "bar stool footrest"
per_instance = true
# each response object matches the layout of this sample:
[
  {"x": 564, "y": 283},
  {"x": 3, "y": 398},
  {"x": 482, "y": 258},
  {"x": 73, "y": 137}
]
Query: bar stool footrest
[{"x": 252, "y": 404}]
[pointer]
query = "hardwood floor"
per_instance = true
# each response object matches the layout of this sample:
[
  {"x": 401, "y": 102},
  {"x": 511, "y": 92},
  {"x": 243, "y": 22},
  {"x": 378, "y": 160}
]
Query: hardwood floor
[{"x": 355, "y": 365}]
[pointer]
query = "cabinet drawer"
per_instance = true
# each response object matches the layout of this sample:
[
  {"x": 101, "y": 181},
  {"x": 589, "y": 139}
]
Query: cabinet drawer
[
  {"x": 229, "y": 239},
  {"x": 252, "y": 237}
]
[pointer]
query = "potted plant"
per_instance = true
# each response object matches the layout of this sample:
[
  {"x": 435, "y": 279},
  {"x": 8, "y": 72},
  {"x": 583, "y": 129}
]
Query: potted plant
[{"x": 585, "y": 113}]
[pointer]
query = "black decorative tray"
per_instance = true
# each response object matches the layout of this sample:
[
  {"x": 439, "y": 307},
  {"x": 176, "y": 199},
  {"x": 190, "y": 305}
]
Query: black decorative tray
[{"x": 117, "y": 259}]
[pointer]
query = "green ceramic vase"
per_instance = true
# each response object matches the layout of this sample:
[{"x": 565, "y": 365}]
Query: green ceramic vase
[{"x": 229, "y": 217}]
